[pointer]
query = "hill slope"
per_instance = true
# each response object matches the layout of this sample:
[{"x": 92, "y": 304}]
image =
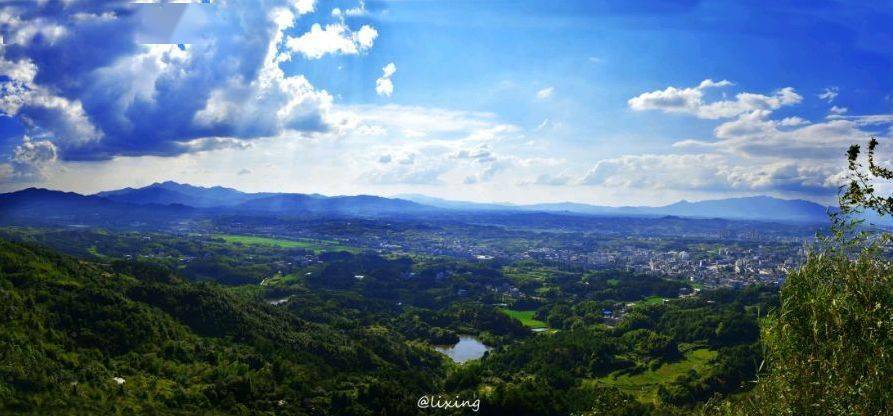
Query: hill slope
[
  {"x": 81, "y": 338},
  {"x": 42, "y": 206}
]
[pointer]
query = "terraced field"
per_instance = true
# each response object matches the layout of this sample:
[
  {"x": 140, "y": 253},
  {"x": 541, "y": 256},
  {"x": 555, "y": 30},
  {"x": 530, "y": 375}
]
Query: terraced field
[{"x": 644, "y": 385}]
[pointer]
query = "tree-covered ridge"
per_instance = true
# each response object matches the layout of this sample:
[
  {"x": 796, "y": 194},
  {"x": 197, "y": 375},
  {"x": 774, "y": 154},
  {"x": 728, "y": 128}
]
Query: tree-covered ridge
[{"x": 79, "y": 337}]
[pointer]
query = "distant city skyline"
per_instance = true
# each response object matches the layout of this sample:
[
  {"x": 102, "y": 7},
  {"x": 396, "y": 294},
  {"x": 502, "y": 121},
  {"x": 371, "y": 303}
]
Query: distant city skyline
[{"x": 604, "y": 102}]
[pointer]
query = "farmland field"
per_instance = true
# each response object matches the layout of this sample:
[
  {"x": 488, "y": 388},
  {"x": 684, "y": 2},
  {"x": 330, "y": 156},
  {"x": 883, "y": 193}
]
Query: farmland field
[
  {"x": 315, "y": 245},
  {"x": 644, "y": 385},
  {"x": 526, "y": 318}
]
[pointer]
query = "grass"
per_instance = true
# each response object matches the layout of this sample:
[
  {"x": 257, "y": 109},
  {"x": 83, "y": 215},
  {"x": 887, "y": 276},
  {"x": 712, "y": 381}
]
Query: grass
[
  {"x": 652, "y": 300},
  {"x": 526, "y": 318},
  {"x": 526, "y": 273},
  {"x": 315, "y": 245},
  {"x": 644, "y": 385},
  {"x": 92, "y": 250}
]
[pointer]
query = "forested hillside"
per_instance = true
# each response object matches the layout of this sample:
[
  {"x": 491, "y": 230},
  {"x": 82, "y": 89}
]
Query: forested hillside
[{"x": 130, "y": 338}]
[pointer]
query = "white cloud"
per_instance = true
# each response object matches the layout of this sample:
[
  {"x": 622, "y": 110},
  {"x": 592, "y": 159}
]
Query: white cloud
[
  {"x": 709, "y": 172},
  {"x": 360, "y": 10},
  {"x": 865, "y": 120},
  {"x": 460, "y": 147},
  {"x": 793, "y": 121},
  {"x": 545, "y": 93},
  {"x": 548, "y": 179},
  {"x": 692, "y": 101},
  {"x": 753, "y": 136},
  {"x": 383, "y": 85},
  {"x": 334, "y": 38},
  {"x": 829, "y": 94},
  {"x": 835, "y": 110},
  {"x": 29, "y": 160},
  {"x": 55, "y": 115},
  {"x": 305, "y": 6},
  {"x": 750, "y": 151},
  {"x": 414, "y": 122},
  {"x": 22, "y": 32},
  {"x": 709, "y": 83}
]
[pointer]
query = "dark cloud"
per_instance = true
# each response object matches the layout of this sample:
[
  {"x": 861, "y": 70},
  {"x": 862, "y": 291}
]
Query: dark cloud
[{"x": 73, "y": 73}]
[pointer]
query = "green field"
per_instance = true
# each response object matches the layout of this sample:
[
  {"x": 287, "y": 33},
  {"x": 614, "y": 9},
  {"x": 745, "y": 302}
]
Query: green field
[
  {"x": 315, "y": 245},
  {"x": 526, "y": 318},
  {"x": 644, "y": 385},
  {"x": 525, "y": 273},
  {"x": 652, "y": 300}
]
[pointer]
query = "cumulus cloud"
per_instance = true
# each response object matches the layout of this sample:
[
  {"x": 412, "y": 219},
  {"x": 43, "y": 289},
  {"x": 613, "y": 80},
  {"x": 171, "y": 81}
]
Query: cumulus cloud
[
  {"x": 76, "y": 76},
  {"x": 709, "y": 172},
  {"x": 545, "y": 93},
  {"x": 332, "y": 39},
  {"x": 29, "y": 160},
  {"x": 37, "y": 106},
  {"x": 359, "y": 10},
  {"x": 305, "y": 6},
  {"x": 793, "y": 121},
  {"x": 383, "y": 85},
  {"x": 835, "y": 110},
  {"x": 750, "y": 150},
  {"x": 691, "y": 100}
]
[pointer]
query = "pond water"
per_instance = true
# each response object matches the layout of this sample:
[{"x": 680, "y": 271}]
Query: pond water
[{"x": 468, "y": 348}]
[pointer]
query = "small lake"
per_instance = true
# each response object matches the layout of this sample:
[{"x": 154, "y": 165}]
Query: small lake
[{"x": 468, "y": 348}]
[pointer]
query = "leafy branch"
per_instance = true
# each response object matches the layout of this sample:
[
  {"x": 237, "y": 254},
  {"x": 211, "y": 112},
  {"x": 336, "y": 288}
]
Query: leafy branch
[{"x": 861, "y": 193}]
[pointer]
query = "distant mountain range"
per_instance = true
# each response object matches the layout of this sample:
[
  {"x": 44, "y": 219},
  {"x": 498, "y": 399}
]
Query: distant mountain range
[
  {"x": 761, "y": 208},
  {"x": 166, "y": 193},
  {"x": 171, "y": 199},
  {"x": 238, "y": 201}
]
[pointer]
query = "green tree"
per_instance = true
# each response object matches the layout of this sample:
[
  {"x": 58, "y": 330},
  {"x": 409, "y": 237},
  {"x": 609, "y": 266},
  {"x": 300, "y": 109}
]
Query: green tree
[{"x": 829, "y": 346}]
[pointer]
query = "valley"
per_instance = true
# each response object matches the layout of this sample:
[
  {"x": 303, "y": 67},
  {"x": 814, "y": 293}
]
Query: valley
[{"x": 567, "y": 308}]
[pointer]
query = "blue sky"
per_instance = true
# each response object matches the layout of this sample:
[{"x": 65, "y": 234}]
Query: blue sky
[{"x": 610, "y": 102}]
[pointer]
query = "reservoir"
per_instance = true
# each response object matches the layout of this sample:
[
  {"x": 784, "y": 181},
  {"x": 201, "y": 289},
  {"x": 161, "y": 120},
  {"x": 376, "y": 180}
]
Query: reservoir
[{"x": 468, "y": 348}]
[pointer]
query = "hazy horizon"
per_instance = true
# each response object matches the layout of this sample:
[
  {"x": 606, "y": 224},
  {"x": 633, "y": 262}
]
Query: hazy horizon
[{"x": 413, "y": 196}]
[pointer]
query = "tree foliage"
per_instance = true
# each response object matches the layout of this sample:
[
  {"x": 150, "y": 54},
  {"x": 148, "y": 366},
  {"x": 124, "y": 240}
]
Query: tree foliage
[{"x": 829, "y": 346}]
